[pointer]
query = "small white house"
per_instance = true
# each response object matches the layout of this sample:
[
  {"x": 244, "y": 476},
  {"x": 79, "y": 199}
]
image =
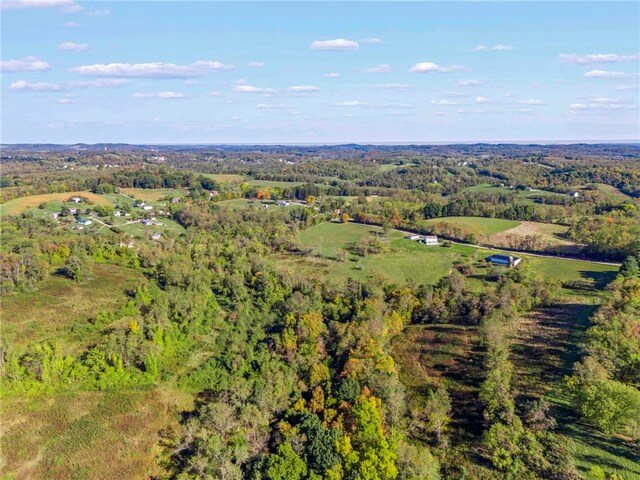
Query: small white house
[
  {"x": 430, "y": 240},
  {"x": 117, "y": 213},
  {"x": 282, "y": 203},
  {"x": 574, "y": 194},
  {"x": 156, "y": 236},
  {"x": 76, "y": 199},
  {"x": 413, "y": 236},
  {"x": 73, "y": 211},
  {"x": 147, "y": 208}
]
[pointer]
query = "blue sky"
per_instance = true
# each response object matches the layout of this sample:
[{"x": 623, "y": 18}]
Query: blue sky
[{"x": 270, "y": 72}]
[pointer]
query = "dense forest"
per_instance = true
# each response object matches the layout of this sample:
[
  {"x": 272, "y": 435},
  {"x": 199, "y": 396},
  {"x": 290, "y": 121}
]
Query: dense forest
[{"x": 291, "y": 376}]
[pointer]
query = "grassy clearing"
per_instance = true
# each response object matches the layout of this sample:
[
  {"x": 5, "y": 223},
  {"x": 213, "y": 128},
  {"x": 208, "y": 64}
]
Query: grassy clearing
[
  {"x": 545, "y": 348},
  {"x": 153, "y": 194},
  {"x": 239, "y": 203},
  {"x": 57, "y": 437},
  {"x": 410, "y": 261},
  {"x": 140, "y": 230},
  {"x": 17, "y": 205},
  {"x": 548, "y": 233},
  {"x": 60, "y": 308},
  {"x": 478, "y": 225}
]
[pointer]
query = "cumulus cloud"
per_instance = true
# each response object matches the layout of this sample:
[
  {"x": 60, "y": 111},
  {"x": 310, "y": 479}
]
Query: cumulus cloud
[
  {"x": 271, "y": 106},
  {"x": 65, "y": 5},
  {"x": 337, "y": 44},
  {"x": 497, "y": 48},
  {"x": 242, "y": 88},
  {"x": 151, "y": 70},
  {"x": 445, "y": 103},
  {"x": 163, "y": 95},
  {"x": 596, "y": 58},
  {"x": 99, "y": 13},
  {"x": 75, "y": 47},
  {"x": 531, "y": 101},
  {"x": 482, "y": 100},
  {"x": 27, "y": 64},
  {"x": 608, "y": 74},
  {"x": 382, "y": 68},
  {"x": 256, "y": 64},
  {"x": 371, "y": 40},
  {"x": 429, "y": 67},
  {"x": 468, "y": 83},
  {"x": 601, "y": 102},
  {"x": 351, "y": 103},
  {"x": 73, "y": 85},
  {"x": 622, "y": 88},
  {"x": 303, "y": 88},
  {"x": 331, "y": 75}
]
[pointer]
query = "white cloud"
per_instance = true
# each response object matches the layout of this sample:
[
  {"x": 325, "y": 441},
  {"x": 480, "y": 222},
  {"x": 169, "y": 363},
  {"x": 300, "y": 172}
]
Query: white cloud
[
  {"x": 215, "y": 94},
  {"x": 446, "y": 103},
  {"x": 99, "y": 13},
  {"x": 429, "y": 67},
  {"x": 163, "y": 95},
  {"x": 256, "y": 64},
  {"x": 351, "y": 103},
  {"x": 271, "y": 106},
  {"x": 337, "y": 44},
  {"x": 303, "y": 88},
  {"x": 622, "y": 88},
  {"x": 382, "y": 68},
  {"x": 371, "y": 40},
  {"x": 151, "y": 70},
  {"x": 75, "y": 47},
  {"x": 470, "y": 112},
  {"x": 66, "y": 5},
  {"x": 71, "y": 24},
  {"x": 456, "y": 94},
  {"x": 596, "y": 58},
  {"x": 27, "y": 64},
  {"x": 531, "y": 101},
  {"x": 600, "y": 102},
  {"x": 73, "y": 85},
  {"x": 402, "y": 87},
  {"x": 468, "y": 83},
  {"x": 242, "y": 88},
  {"x": 608, "y": 74},
  {"x": 497, "y": 48},
  {"x": 67, "y": 99},
  {"x": 331, "y": 75},
  {"x": 482, "y": 100}
]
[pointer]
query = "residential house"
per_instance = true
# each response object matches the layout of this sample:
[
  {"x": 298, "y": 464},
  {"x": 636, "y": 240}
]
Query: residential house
[{"x": 430, "y": 240}]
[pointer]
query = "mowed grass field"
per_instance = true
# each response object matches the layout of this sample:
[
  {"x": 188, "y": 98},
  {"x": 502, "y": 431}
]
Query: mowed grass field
[
  {"x": 57, "y": 437},
  {"x": 17, "y": 205},
  {"x": 410, "y": 261},
  {"x": 478, "y": 225},
  {"x": 60, "y": 309},
  {"x": 153, "y": 194},
  {"x": 273, "y": 184}
]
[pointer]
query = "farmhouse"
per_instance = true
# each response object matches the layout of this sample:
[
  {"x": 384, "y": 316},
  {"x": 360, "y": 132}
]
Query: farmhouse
[
  {"x": 76, "y": 199},
  {"x": 430, "y": 240},
  {"x": 507, "y": 260},
  {"x": 117, "y": 213},
  {"x": 574, "y": 194},
  {"x": 73, "y": 211},
  {"x": 282, "y": 203},
  {"x": 147, "y": 208}
]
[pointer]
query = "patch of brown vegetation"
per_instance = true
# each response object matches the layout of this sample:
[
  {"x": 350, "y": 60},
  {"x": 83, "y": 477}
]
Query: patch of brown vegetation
[{"x": 533, "y": 236}]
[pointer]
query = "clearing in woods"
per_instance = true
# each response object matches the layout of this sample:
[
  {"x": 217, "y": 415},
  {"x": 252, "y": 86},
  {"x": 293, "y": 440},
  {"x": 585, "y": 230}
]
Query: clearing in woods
[
  {"x": 17, "y": 205},
  {"x": 546, "y": 345}
]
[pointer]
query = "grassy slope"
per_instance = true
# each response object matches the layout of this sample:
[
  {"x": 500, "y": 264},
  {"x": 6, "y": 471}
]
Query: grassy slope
[
  {"x": 223, "y": 177},
  {"x": 17, "y": 205},
  {"x": 479, "y": 225},
  {"x": 409, "y": 260},
  {"x": 153, "y": 194},
  {"x": 60, "y": 306},
  {"x": 87, "y": 435}
]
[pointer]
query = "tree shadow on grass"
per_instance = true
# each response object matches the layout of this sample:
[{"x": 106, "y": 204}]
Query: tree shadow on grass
[{"x": 600, "y": 279}]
